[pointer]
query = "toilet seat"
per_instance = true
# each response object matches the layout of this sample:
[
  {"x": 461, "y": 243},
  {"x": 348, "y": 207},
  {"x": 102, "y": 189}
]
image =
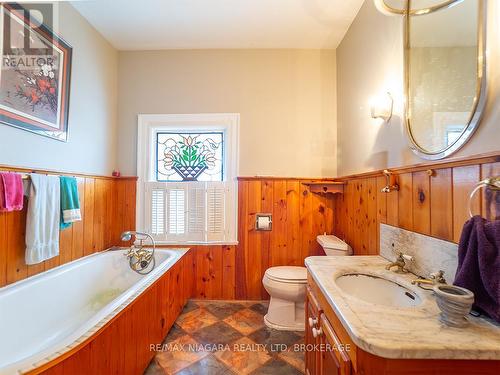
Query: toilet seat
[{"x": 287, "y": 274}]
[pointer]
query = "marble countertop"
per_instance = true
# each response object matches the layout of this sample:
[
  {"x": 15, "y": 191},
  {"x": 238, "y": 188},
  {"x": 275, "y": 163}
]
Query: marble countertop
[{"x": 391, "y": 332}]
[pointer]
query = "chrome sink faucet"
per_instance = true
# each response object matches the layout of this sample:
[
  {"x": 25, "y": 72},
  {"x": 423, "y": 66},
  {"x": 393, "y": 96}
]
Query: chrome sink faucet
[
  {"x": 400, "y": 263},
  {"x": 140, "y": 258}
]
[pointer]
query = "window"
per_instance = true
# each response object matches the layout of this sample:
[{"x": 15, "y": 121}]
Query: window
[
  {"x": 190, "y": 156},
  {"x": 453, "y": 133},
  {"x": 187, "y": 167}
]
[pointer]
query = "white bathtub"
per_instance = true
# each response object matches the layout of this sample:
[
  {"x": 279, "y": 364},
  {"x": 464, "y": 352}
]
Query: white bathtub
[{"x": 45, "y": 315}]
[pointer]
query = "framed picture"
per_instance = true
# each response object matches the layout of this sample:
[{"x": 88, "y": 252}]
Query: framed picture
[{"x": 35, "y": 73}]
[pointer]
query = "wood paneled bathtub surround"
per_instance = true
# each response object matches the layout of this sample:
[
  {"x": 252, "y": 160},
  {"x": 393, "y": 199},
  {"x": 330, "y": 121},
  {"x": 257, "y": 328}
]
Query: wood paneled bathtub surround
[
  {"x": 108, "y": 208},
  {"x": 123, "y": 345},
  {"x": 434, "y": 205}
]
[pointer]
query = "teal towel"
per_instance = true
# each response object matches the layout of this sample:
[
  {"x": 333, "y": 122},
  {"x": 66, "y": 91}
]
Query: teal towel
[{"x": 70, "y": 203}]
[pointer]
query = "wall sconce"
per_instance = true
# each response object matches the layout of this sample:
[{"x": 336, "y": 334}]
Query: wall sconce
[{"x": 381, "y": 107}]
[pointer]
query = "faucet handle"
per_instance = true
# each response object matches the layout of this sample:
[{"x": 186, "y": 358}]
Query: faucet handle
[
  {"x": 407, "y": 257},
  {"x": 438, "y": 277}
]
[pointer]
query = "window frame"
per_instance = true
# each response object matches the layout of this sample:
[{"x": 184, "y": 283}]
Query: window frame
[{"x": 151, "y": 124}]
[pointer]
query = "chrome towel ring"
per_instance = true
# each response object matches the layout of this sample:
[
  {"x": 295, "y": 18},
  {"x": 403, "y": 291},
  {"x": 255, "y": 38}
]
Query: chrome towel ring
[{"x": 491, "y": 182}]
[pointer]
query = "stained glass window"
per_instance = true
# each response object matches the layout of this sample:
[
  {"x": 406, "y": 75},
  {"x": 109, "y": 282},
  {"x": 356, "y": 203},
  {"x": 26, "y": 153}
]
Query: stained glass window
[{"x": 190, "y": 156}]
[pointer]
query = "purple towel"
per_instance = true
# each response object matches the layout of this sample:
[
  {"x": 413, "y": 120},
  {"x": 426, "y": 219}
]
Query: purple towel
[
  {"x": 492, "y": 204},
  {"x": 479, "y": 264}
]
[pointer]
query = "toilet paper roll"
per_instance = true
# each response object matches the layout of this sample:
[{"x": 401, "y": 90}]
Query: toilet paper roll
[{"x": 263, "y": 223}]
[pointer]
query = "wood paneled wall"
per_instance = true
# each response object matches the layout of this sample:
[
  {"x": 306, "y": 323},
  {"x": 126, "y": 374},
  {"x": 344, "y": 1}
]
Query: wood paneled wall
[
  {"x": 235, "y": 272},
  {"x": 435, "y": 205},
  {"x": 298, "y": 217},
  {"x": 108, "y": 208}
]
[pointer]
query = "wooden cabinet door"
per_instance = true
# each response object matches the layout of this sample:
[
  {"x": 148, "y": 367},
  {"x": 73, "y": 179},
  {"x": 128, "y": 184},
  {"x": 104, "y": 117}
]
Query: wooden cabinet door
[
  {"x": 312, "y": 313},
  {"x": 334, "y": 360}
]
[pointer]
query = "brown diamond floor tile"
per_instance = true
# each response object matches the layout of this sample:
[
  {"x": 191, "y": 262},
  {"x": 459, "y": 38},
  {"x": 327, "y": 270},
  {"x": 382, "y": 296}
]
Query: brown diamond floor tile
[
  {"x": 174, "y": 333},
  {"x": 195, "y": 320},
  {"x": 275, "y": 341},
  {"x": 190, "y": 306},
  {"x": 222, "y": 310},
  {"x": 245, "y": 321},
  {"x": 179, "y": 354},
  {"x": 276, "y": 367},
  {"x": 207, "y": 366},
  {"x": 295, "y": 356},
  {"x": 260, "y": 308},
  {"x": 216, "y": 333},
  {"x": 154, "y": 368},
  {"x": 244, "y": 356},
  {"x": 219, "y": 334}
]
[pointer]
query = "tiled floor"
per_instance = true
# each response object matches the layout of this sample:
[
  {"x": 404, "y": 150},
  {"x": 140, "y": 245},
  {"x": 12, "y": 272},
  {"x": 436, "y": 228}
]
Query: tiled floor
[{"x": 213, "y": 338}]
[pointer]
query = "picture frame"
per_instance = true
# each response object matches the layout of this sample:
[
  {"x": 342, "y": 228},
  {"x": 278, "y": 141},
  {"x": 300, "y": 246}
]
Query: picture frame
[{"x": 35, "y": 74}]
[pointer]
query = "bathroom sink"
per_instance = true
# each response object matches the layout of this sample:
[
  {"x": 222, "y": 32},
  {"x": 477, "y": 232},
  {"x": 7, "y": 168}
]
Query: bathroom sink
[{"x": 377, "y": 290}]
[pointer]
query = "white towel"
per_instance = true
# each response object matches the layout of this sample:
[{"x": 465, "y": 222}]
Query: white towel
[{"x": 42, "y": 222}]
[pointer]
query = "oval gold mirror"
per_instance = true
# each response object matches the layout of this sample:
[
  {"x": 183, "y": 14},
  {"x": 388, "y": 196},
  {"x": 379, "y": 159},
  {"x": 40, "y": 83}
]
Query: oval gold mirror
[{"x": 445, "y": 83}]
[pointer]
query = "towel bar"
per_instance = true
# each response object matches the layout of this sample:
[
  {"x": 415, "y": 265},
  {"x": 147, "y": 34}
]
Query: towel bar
[{"x": 491, "y": 182}]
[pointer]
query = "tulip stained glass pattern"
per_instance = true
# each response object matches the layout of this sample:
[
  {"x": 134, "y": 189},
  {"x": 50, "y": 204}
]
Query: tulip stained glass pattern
[{"x": 190, "y": 157}]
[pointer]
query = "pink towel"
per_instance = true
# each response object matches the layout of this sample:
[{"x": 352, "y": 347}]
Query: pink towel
[{"x": 11, "y": 192}]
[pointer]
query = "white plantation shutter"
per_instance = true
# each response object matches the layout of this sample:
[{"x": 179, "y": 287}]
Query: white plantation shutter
[
  {"x": 189, "y": 211},
  {"x": 216, "y": 194},
  {"x": 176, "y": 208},
  {"x": 158, "y": 211},
  {"x": 197, "y": 205}
]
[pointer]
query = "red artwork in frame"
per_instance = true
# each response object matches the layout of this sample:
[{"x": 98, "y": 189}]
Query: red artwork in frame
[{"x": 35, "y": 72}]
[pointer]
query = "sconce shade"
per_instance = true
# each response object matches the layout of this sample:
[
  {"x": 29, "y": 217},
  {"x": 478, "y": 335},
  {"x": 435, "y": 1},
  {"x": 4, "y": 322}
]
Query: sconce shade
[{"x": 381, "y": 107}]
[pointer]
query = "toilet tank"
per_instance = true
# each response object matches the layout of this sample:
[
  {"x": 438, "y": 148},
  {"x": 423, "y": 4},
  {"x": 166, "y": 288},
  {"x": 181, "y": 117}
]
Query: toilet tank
[{"x": 332, "y": 245}]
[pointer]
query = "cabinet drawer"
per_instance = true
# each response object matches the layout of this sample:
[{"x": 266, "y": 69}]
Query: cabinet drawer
[
  {"x": 338, "y": 349},
  {"x": 313, "y": 302}
]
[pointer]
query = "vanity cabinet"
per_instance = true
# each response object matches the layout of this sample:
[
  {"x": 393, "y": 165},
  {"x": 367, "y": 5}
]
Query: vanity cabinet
[
  {"x": 325, "y": 353},
  {"x": 331, "y": 351}
]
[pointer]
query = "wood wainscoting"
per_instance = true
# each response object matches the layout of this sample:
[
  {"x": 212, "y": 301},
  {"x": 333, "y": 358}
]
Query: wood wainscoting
[
  {"x": 434, "y": 205},
  {"x": 433, "y": 200},
  {"x": 108, "y": 208},
  {"x": 235, "y": 271}
]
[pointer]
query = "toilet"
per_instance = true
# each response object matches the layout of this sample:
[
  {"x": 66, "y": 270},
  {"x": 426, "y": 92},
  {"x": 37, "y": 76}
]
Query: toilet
[{"x": 287, "y": 287}]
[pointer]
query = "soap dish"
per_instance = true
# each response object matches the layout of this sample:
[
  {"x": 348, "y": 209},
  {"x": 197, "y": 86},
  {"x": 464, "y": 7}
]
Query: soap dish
[{"x": 455, "y": 304}]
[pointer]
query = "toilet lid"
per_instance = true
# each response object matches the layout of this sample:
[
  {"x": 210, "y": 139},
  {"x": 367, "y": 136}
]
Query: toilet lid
[
  {"x": 290, "y": 274},
  {"x": 332, "y": 242}
]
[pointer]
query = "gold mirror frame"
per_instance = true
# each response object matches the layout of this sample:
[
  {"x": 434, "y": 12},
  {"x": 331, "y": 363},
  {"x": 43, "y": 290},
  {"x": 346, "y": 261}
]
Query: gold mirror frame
[{"x": 477, "y": 109}]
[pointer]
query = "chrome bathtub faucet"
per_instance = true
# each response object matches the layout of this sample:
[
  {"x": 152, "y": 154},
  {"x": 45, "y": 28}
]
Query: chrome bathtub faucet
[{"x": 140, "y": 258}]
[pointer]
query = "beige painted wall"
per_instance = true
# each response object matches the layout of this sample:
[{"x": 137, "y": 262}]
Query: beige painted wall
[
  {"x": 93, "y": 103},
  {"x": 286, "y": 99},
  {"x": 370, "y": 62}
]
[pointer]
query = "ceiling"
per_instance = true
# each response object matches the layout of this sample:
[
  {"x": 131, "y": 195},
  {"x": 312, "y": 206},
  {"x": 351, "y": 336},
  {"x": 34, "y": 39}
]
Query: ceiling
[{"x": 175, "y": 24}]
